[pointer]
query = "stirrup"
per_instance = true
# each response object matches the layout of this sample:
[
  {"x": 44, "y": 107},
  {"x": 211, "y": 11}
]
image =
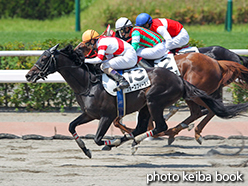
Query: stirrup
[{"x": 122, "y": 85}]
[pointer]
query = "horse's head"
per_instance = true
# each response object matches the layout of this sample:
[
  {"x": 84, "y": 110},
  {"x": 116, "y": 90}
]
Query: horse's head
[
  {"x": 53, "y": 60},
  {"x": 45, "y": 65}
]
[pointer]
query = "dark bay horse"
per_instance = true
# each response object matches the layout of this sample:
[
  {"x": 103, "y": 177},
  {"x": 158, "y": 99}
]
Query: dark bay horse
[{"x": 165, "y": 89}]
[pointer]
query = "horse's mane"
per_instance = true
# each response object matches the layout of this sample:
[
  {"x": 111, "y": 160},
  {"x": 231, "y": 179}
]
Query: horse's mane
[{"x": 77, "y": 56}]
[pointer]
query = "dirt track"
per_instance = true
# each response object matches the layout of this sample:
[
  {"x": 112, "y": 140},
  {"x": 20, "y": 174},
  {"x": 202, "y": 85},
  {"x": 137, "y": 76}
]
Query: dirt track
[{"x": 61, "y": 162}]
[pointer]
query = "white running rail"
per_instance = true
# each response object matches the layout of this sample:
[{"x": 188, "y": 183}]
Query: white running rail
[{"x": 18, "y": 76}]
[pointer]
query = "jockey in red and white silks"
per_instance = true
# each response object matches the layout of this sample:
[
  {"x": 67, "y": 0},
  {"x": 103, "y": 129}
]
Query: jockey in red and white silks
[
  {"x": 172, "y": 31},
  {"x": 119, "y": 54}
]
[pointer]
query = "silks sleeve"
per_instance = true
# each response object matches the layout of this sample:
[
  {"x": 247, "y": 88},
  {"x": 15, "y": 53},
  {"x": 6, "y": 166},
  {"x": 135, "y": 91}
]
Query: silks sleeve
[{"x": 135, "y": 39}]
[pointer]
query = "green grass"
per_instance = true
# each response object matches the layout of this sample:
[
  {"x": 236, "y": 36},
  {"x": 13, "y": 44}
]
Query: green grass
[
  {"x": 217, "y": 35},
  {"x": 24, "y": 30}
]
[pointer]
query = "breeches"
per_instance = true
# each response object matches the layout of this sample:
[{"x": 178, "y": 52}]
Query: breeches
[
  {"x": 155, "y": 52},
  {"x": 178, "y": 41},
  {"x": 127, "y": 60}
]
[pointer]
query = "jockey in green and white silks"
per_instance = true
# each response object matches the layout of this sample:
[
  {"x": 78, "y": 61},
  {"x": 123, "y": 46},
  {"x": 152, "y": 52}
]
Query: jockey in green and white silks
[{"x": 147, "y": 44}]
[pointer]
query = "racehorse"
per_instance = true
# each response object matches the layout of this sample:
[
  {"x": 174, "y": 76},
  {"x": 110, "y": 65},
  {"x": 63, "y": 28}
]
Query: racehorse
[
  {"x": 209, "y": 75},
  {"x": 206, "y": 74},
  {"x": 221, "y": 53},
  {"x": 96, "y": 103},
  {"x": 216, "y": 52}
]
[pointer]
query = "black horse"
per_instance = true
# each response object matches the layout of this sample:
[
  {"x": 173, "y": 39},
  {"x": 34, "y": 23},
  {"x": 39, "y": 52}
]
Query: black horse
[
  {"x": 165, "y": 89},
  {"x": 221, "y": 53}
]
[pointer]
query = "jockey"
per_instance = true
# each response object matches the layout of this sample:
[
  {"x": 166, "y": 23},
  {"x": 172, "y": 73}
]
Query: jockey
[
  {"x": 147, "y": 44},
  {"x": 119, "y": 54},
  {"x": 172, "y": 31},
  {"x": 123, "y": 25}
]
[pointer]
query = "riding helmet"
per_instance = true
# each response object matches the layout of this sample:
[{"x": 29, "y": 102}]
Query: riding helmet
[
  {"x": 122, "y": 23},
  {"x": 142, "y": 19},
  {"x": 89, "y": 34}
]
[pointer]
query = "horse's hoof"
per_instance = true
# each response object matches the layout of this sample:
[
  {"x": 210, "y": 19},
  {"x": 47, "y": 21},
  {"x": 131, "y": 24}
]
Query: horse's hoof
[
  {"x": 134, "y": 149},
  {"x": 107, "y": 148},
  {"x": 199, "y": 140},
  {"x": 87, "y": 152},
  {"x": 171, "y": 140},
  {"x": 134, "y": 143},
  {"x": 191, "y": 126}
]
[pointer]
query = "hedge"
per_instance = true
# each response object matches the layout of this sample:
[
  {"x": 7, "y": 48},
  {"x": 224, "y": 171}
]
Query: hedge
[
  {"x": 40, "y": 96},
  {"x": 35, "y": 9},
  {"x": 188, "y": 15},
  {"x": 51, "y": 96}
]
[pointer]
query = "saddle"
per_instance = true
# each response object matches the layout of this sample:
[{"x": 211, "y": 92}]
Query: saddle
[
  {"x": 137, "y": 78},
  {"x": 167, "y": 61},
  {"x": 184, "y": 50}
]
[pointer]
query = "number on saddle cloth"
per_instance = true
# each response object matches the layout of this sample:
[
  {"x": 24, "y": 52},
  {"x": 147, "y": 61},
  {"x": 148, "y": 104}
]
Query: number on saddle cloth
[
  {"x": 168, "y": 62},
  {"x": 137, "y": 78}
]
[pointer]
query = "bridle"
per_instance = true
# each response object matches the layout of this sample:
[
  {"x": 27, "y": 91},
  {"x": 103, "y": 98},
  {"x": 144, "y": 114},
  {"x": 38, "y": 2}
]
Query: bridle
[
  {"x": 44, "y": 69},
  {"x": 51, "y": 66}
]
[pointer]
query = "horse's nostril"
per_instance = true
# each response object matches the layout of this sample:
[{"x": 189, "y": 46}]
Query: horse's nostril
[{"x": 27, "y": 76}]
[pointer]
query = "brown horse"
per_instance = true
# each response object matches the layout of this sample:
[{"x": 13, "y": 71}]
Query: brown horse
[
  {"x": 209, "y": 75},
  {"x": 206, "y": 74}
]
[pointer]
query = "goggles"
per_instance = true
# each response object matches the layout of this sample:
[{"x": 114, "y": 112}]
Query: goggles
[{"x": 89, "y": 43}]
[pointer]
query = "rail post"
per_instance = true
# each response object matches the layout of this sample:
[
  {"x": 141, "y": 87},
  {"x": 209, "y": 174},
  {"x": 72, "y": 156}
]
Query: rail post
[
  {"x": 228, "y": 21},
  {"x": 77, "y": 14}
]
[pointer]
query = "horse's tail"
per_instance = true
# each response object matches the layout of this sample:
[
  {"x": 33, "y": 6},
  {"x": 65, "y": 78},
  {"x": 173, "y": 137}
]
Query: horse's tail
[
  {"x": 215, "y": 105},
  {"x": 232, "y": 71}
]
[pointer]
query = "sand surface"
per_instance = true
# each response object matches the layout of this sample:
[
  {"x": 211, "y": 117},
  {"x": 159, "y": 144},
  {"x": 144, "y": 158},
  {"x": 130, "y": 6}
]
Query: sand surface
[{"x": 61, "y": 162}]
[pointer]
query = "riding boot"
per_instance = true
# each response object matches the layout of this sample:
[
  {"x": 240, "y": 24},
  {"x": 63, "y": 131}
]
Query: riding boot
[{"x": 123, "y": 83}]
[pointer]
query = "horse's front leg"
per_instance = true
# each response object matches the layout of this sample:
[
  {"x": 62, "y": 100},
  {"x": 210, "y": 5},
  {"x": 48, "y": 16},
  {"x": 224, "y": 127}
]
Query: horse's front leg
[{"x": 82, "y": 119}]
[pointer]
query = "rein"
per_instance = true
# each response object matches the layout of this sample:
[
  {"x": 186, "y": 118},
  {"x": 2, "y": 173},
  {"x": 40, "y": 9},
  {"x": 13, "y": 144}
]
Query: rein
[
  {"x": 44, "y": 69},
  {"x": 89, "y": 55},
  {"x": 87, "y": 91}
]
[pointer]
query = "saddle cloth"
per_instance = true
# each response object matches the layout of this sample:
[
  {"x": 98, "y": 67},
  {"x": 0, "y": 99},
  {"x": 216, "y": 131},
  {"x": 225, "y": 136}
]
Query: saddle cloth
[
  {"x": 188, "y": 50},
  {"x": 137, "y": 78},
  {"x": 168, "y": 62}
]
